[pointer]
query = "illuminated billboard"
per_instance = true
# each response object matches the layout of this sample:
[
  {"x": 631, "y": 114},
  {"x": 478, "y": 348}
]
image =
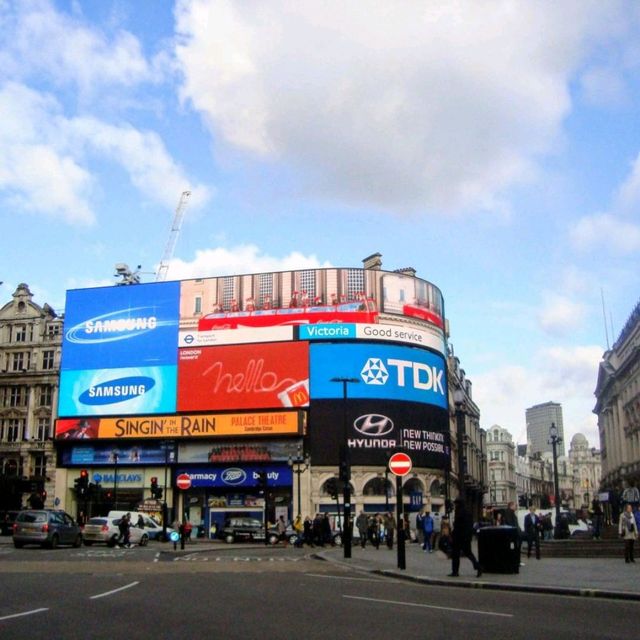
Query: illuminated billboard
[
  {"x": 257, "y": 376},
  {"x": 128, "y": 326},
  {"x": 276, "y": 423},
  {"x": 383, "y": 372},
  {"x": 107, "y": 392},
  {"x": 375, "y": 428}
]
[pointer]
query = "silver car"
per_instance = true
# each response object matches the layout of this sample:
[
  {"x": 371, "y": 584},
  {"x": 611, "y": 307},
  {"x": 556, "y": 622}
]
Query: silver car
[
  {"x": 106, "y": 531},
  {"x": 47, "y": 528}
]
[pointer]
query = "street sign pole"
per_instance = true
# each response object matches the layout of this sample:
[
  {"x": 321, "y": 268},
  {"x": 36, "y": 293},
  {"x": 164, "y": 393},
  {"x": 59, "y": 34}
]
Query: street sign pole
[{"x": 402, "y": 558}]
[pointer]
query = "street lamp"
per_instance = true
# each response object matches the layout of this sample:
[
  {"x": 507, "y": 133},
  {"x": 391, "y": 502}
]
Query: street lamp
[
  {"x": 345, "y": 467},
  {"x": 554, "y": 440},
  {"x": 165, "y": 511},
  {"x": 115, "y": 479},
  {"x": 458, "y": 400},
  {"x": 301, "y": 465}
]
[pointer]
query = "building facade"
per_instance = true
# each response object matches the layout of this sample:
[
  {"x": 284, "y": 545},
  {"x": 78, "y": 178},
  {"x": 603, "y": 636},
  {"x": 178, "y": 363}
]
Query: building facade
[
  {"x": 539, "y": 419},
  {"x": 586, "y": 464},
  {"x": 501, "y": 454},
  {"x": 230, "y": 392},
  {"x": 30, "y": 347},
  {"x": 618, "y": 409}
]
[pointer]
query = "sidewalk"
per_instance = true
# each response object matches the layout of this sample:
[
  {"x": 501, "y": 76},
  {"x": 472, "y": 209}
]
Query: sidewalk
[{"x": 589, "y": 577}]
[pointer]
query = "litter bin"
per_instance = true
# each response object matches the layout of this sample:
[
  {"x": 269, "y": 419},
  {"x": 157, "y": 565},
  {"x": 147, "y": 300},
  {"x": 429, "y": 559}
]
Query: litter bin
[{"x": 499, "y": 549}]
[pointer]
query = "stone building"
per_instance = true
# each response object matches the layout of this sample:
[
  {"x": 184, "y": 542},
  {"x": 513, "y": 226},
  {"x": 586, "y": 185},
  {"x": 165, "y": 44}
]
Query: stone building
[
  {"x": 587, "y": 471},
  {"x": 30, "y": 347},
  {"x": 501, "y": 454}
]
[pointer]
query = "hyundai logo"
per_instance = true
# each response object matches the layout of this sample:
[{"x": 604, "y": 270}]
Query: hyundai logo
[
  {"x": 374, "y": 372},
  {"x": 233, "y": 476},
  {"x": 373, "y": 425}
]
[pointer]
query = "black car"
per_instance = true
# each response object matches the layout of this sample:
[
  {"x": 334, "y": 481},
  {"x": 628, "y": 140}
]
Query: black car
[
  {"x": 7, "y": 518},
  {"x": 246, "y": 529}
]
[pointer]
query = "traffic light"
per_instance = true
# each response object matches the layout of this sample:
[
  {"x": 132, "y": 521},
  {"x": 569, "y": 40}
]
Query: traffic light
[
  {"x": 154, "y": 487},
  {"x": 345, "y": 470},
  {"x": 82, "y": 483}
]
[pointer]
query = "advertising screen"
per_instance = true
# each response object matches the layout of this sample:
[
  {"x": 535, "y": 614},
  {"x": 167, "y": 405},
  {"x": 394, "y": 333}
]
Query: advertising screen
[
  {"x": 236, "y": 476},
  {"x": 248, "y": 451},
  {"x": 123, "y": 326},
  {"x": 258, "y": 376},
  {"x": 374, "y": 429},
  {"x": 275, "y": 423},
  {"x": 409, "y": 296},
  {"x": 383, "y": 371},
  {"x": 102, "y": 454},
  {"x": 239, "y": 336},
  {"x": 106, "y": 392}
]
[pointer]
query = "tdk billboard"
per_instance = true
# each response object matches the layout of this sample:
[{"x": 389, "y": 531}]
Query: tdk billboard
[
  {"x": 127, "y": 326},
  {"x": 384, "y": 372}
]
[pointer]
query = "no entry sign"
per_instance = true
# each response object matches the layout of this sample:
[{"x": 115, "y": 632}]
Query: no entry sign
[
  {"x": 400, "y": 464},
  {"x": 183, "y": 481}
]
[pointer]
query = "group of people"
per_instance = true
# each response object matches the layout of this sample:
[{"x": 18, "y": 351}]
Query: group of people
[{"x": 377, "y": 529}]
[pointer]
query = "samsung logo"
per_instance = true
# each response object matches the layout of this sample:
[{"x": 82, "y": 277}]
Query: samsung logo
[
  {"x": 118, "y": 390},
  {"x": 117, "y": 325},
  {"x": 233, "y": 476}
]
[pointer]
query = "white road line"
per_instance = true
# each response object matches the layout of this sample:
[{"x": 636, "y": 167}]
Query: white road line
[
  {"x": 157, "y": 557},
  {"x": 24, "y": 613},
  {"x": 108, "y": 593},
  {"x": 431, "y": 606},
  {"x": 319, "y": 575}
]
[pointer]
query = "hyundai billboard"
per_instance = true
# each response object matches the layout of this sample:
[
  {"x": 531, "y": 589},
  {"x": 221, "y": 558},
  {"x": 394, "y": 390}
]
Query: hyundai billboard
[
  {"x": 257, "y": 376},
  {"x": 373, "y": 430},
  {"x": 383, "y": 372},
  {"x": 128, "y": 326}
]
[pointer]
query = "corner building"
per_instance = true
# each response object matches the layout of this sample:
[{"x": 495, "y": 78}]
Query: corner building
[{"x": 203, "y": 387}]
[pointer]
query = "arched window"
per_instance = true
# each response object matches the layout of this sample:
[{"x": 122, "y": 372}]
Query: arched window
[
  {"x": 413, "y": 485},
  {"x": 376, "y": 487},
  {"x": 437, "y": 489}
]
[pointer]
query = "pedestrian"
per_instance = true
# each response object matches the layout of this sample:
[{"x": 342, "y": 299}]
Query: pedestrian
[
  {"x": 628, "y": 530},
  {"x": 390, "y": 527},
  {"x": 510, "y": 518},
  {"x": 281, "y": 528},
  {"x": 437, "y": 524},
  {"x": 597, "y": 518},
  {"x": 188, "y": 528},
  {"x": 361, "y": 526},
  {"x": 427, "y": 532},
  {"x": 444, "y": 539},
  {"x": 317, "y": 530},
  {"x": 547, "y": 527},
  {"x": 327, "y": 538},
  {"x": 461, "y": 539},
  {"x": 140, "y": 522},
  {"x": 307, "y": 531},
  {"x": 374, "y": 531},
  {"x": 532, "y": 528},
  {"x": 497, "y": 518},
  {"x": 420, "y": 527},
  {"x": 124, "y": 526}
]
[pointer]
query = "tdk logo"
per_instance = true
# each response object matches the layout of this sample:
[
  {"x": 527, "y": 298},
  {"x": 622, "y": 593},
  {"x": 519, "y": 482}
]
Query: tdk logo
[
  {"x": 418, "y": 375},
  {"x": 118, "y": 390},
  {"x": 117, "y": 325},
  {"x": 233, "y": 476}
]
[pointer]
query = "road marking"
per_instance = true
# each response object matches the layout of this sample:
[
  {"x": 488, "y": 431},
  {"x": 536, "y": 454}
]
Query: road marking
[
  {"x": 24, "y": 613},
  {"x": 108, "y": 593},
  {"x": 432, "y": 606},
  {"x": 318, "y": 575}
]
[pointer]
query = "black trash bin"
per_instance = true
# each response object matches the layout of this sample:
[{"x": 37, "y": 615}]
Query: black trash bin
[{"x": 499, "y": 549}]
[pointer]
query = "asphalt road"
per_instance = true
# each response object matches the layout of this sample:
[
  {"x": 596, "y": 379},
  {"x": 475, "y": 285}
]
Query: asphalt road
[{"x": 247, "y": 593}]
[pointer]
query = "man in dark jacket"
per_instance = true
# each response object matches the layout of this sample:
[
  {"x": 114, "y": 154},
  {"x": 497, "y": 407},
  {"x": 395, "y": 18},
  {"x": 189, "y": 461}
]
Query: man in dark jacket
[
  {"x": 461, "y": 539},
  {"x": 532, "y": 527}
]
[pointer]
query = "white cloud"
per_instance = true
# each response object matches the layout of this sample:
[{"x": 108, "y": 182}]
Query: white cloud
[
  {"x": 560, "y": 314},
  {"x": 239, "y": 259},
  {"x": 606, "y": 231},
  {"x": 409, "y": 106},
  {"x": 567, "y": 375}
]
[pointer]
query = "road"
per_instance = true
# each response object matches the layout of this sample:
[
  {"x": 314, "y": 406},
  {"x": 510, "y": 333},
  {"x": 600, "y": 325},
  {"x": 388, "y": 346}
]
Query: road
[{"x": 236, "y": 592}]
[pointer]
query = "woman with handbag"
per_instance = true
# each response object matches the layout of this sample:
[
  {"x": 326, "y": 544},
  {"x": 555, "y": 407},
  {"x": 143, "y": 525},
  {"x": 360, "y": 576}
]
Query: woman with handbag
[{"x": 628, "y": 530}]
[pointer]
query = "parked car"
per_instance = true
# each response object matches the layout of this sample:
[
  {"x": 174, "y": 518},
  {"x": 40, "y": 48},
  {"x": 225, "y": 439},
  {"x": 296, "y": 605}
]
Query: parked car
[
  {"x": 246, "y": 529},
  {"x": 47, "y": 528},
  {"x": 7, "y": 518},
  {"x": 152, "y": 528},
  {"x": 105, "y": 530}
]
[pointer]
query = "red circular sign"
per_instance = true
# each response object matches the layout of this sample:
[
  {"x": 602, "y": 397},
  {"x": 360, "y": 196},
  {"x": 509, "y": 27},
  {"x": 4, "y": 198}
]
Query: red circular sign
[
  {"x": 400, "y": 464},
  {"x": 183, "y": 481}
]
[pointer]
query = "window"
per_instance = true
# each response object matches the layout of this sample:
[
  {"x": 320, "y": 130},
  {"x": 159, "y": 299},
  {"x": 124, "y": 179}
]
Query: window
[
  {"x": 308, "y": 283},
  {"x": 39, "y": 465},
  {"x": 355, "y": 283},
  {"x": 227, "y": 292},
  {"x": 265, "y": 288},
  {"x": 19, "y": 361},
  {"x": 17, "y": 396},
  {"x": 53, "y": 330},
  {"x": 14, "y": 429},
  {"x": 45, "y": 395},
  {"x": 197, "y": 304},
  {"x": 20, "y": 333},
  {"x": 42, "y": 429},
  {"x": 48, "y": 359}
]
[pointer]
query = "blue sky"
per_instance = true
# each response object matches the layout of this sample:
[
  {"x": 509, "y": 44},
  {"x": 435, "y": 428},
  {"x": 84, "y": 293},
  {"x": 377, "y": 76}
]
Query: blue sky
[{"x": 492, "y": 146}]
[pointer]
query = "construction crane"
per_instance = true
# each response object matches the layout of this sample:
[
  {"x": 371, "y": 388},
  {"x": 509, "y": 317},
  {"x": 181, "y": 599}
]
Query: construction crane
[{"x": 173, "y": 236}]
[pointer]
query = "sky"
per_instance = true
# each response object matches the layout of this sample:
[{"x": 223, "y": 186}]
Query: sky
[{"x": 492, "y": 146}]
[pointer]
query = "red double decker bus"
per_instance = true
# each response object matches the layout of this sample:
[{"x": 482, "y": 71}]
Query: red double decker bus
[{"x": 364, "y": 311}]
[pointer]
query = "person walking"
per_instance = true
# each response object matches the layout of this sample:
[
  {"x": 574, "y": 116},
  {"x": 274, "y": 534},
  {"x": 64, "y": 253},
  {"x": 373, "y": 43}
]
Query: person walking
[
  {"x": 461, "y": 539},
  {"x": 532, "y": 527},
  {"x": 427, "y": 528},
  {"x": 362, "y": 526},
  {"x": 374, "y": 531},
  {"x": 390, "y": 527},
  {"x": 281, "y": 528},
  {"x": 420, "y": 527},
  {"x": 628, "y": 530},
  {"x": 124, "y": 526}
]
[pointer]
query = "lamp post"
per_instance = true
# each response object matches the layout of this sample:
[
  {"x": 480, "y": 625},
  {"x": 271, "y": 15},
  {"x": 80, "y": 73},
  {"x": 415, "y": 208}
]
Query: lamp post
[
  {"x": 115, "y": 479},
  {"x": 458, "y": 400},
  {"x": 165, "y": 511},
  {"x": 345, "y": 467},
  {"x": 554, "y": 440},
  {"x": 301, "y": 465}
]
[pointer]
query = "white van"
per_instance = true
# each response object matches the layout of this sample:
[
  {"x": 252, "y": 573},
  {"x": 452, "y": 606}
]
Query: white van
[{"x": 151, "y": 526}]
